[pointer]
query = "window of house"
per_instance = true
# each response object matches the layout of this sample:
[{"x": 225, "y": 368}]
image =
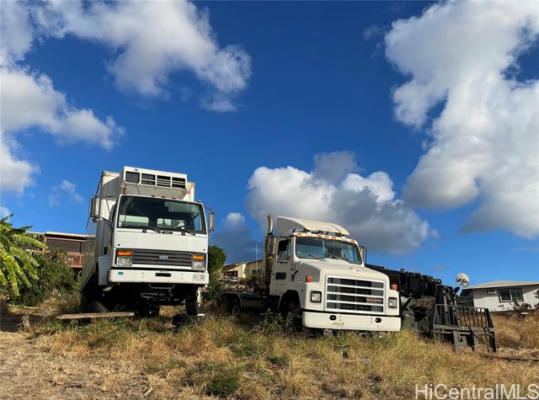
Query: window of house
[{"x": 514, "y": 294}]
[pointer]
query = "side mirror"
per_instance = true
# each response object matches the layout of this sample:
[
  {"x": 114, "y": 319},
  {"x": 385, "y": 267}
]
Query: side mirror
[
  {"x": 212, "y": 221},
  {"x": 363, "y": 254},
  {"x": 94, "y": 208}
]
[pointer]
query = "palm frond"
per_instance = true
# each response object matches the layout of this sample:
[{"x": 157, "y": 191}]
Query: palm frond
[
  {"x": 3, "y": 279},
  {"x": 27, "y": 261},
  {"x": 10, "y": 267},
  {"x": 27, "y": 241}
]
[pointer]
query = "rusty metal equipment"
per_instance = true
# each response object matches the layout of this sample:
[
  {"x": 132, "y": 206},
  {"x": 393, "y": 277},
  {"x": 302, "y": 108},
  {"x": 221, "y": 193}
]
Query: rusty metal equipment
[{"x": 431, "y": 308}]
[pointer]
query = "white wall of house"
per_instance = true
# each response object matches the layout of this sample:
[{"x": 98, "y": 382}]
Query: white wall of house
[
  {"x": 490, "y": 298},
  {"x": 247, "y": 270}
]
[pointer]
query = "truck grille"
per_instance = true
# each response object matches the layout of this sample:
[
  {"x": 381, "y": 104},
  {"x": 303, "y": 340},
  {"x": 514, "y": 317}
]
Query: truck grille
[
  {"x": 351, "y": 295},
  {"x": 162, "y": 257}
]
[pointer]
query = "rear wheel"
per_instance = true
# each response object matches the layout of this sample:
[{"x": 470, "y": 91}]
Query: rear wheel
[{"x": 235, "y": 307}]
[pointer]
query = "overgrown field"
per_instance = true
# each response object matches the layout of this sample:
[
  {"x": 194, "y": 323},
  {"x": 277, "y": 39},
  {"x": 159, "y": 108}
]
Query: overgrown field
[{"x": 254, "y": 359}]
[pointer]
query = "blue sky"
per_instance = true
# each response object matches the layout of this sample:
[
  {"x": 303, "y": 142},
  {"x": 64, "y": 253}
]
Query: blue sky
[{"x": 326, "y": 80}]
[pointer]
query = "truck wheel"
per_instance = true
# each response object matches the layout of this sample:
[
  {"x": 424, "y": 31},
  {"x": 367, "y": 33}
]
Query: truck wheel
[
  {"x": 193, "y": 302},
  {"x": 89, "y": 296},
  {"x": 146, "y": 309},
  {"x": 292, "y": 315},
  {"x": 235, "y": 307}
]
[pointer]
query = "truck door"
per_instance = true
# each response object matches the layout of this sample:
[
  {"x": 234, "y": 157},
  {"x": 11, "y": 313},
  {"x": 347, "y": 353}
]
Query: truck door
[{"x": 280, "y": 271}]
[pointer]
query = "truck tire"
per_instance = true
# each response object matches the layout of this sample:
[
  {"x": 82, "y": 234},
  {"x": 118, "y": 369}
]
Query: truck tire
[
  {"x": 235, "y": 307},
  {"x": 193, "y": 302},
  {"x": 146, "y": 309},
  {"x": 292, "y": 315},
  {"x": 90, "y": 295}
]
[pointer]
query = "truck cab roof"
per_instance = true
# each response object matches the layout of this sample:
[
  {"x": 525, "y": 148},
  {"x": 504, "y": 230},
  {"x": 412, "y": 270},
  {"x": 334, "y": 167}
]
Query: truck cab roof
[{"x": 287, "y": 225}]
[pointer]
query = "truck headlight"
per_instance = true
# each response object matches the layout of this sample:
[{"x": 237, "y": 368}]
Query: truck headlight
[
  {"x": 393, "y": 302},
  {"x": 124, "y": 258},
  {"x": 316, "y": 297},
  {"x": 198, "y": 262}
]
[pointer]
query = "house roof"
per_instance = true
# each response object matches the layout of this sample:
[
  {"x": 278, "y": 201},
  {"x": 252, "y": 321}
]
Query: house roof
[
  {"x": 496, "y": 284},
  {"x": 285, "y": 224}
]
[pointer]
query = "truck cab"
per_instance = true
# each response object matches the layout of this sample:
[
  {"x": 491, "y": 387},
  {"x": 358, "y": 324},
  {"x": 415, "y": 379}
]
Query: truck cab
[
  {"x": 315, "y": 275},
  {"x": 149, "y": 243}
]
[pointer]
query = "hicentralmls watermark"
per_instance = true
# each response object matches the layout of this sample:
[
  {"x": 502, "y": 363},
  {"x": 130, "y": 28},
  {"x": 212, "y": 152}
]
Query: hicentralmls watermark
[{"x": 499, "y": 392}]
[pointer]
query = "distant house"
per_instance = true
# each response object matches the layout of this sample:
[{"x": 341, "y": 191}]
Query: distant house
[
  {"x": 244, "y": 270},
  {"x": 502, "y": 295},
  {"x": 70, "y": 243}
]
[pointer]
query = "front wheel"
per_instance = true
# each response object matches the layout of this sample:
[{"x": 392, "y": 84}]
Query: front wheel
[
  {"x": 292, "y": 315},
  {"x": 193, "y": 302},
  {"x": 146, "y": 309}
]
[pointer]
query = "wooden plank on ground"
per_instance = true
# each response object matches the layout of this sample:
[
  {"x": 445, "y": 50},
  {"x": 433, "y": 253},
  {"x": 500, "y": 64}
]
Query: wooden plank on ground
[{"x": 96, "y": 315}]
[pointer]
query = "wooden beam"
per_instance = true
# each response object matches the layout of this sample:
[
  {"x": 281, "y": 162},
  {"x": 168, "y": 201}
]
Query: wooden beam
[{"x": 96, "y": 315}]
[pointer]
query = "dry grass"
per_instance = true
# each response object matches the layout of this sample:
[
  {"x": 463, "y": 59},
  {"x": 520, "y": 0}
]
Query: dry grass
[
  {"x": 517, "y": 332},
  {"x": 219, "y": 357}
]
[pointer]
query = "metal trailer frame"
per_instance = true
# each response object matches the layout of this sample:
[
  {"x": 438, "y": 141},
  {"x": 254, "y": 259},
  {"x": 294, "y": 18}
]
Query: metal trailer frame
[{"x": 430, "y": 308}]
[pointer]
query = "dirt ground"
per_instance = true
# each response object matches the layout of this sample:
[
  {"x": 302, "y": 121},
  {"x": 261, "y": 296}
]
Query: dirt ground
[
  {"x": 138, "y": 360},
  {"x": 31, "y": 371},
  {"x": 34, "y": 373}
]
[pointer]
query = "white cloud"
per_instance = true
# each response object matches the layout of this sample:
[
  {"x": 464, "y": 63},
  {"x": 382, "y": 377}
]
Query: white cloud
[
  {"x": 484, "y": 143},
  {"x": 365, "y": 205},
  {"x": 151, "y": 40},
  {"x": 65, "y": 189},
  {"x": 234, "y": 219},
  {"x": 236, "y": 239},
  {"x": 15, "y": 174},
  {"x": 4, "y": 212},
  {"x": 16, "y": 31},
  {"x": 29, "y": 100}
]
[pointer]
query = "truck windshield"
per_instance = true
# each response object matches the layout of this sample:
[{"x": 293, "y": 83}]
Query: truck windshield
[
  {"x": 160, "y": 214},
  {"x": 327, "y": 248}
]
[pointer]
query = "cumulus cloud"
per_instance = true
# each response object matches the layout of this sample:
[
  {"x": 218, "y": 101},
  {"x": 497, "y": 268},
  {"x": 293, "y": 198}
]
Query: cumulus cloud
[
  {"x": 15, "y": 174},
  {"x": 484, "y": 143},
  {"x": 4, "y": 212},
  {"x": 150, "y": 40},
  {"x": 29, "y": 100},
  {"x": 236, "y": 239},
  {"x": 64, "y": 190},
  {"x": 366, "y": 205}
]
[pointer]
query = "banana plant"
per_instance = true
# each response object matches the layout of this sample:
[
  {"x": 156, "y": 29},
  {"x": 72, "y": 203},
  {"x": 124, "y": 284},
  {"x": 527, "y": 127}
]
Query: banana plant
[{"x": 17, "y": 263}]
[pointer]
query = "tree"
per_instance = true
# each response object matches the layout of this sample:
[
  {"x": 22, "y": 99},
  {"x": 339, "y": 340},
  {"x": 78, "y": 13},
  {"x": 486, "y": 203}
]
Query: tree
[
  {"x": 216, "y": 258},
  {"x": 17, "y": 265}
]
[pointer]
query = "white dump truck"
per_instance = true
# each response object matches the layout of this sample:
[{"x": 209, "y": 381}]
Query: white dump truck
[
  {"x": 148, "y": 243},
  {"x": 315, "y": 275}
]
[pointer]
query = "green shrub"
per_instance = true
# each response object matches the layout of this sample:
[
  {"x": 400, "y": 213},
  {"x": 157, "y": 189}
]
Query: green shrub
[
  {"x": 54, "y": 278},
  {"x": 215, "y": 287}
]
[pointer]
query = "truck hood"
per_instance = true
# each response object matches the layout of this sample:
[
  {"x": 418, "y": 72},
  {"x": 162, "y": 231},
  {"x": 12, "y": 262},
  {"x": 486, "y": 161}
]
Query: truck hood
[
  {"x": 176, "y": 241},
  {"x": 332, "y": 267}
]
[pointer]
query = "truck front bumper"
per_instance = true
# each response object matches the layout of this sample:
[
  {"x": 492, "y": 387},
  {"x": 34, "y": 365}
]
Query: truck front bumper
[
  {"x": 118, "y": 275},
  {"x": 327, "y": 320}
]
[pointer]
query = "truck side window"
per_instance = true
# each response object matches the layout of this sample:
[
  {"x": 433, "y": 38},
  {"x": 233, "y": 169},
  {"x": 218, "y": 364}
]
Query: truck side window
[{"x": 283, "y": 250}]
